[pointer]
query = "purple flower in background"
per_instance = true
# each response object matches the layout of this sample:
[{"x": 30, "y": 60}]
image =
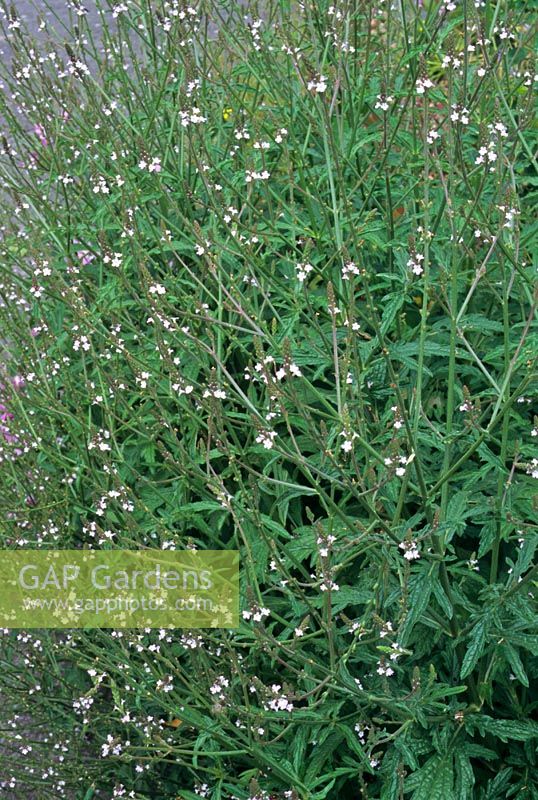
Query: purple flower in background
[
  {"x": 5, "y": 415},
  {"x": 85, "y": 257},
  {"x": 39, "y": 131},
  {"x": 10, "y": 438}
]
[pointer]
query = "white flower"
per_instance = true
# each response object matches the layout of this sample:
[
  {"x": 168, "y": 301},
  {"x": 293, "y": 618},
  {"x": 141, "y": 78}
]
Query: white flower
[
  {"x": 383, "y": 102},
  {"x": 165, "y": 684},
  {"x": 257, "y": 614},
  {"x": 182, "y": 389},
  {"x": 532, "y": 468},
  {"x": 414, "y": 263},
  {"x": 422, "y": 84},
  {"x": 349, "y": 437},
  {"x": 256, "y": 176},
  {"x": 350, "y": 268},
  {"x": 361, "y": 731},
  {"x": 220, "y": 683},
  {"x": 384, "y": 669},
  {"x": 219, "y": 394},
  {"x": 279, "y": 701},
  {"x": 303, "y": 270},
  {"x": 294, "y": 370},
  {"x": 192, "y": 117},
  {"x": 317, "y": 85},
  {"x": 266, "y": 438},
  {"x": 411, "y": 551},
  {"x": 327, "y": 585}
]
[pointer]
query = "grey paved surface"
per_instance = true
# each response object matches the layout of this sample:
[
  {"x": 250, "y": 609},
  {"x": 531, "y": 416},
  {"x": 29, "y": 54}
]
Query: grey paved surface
[{"x": 53, "y": 11}]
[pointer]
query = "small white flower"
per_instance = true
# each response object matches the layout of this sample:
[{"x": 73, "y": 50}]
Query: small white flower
[
  {"x": 266, "y": 438},
  {"x": 383, "y": 102},
  {"x": 422, "y": 84},
  {"x": 317, "y": 85},
  {"x": 411, "y": 551},
  {"x": 302, "y": 271}
]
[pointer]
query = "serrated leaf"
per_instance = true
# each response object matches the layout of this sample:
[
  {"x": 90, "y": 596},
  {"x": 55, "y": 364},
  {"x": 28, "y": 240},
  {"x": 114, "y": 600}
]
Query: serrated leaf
[
  {"x": 409, "y": 757},
  {"x": 464, "y": 776},
  {"x": 498, "y": 785},
  {"x": 320, "y": 755},
  {"x": 458, "y": 510},
  {"x": 392, "y": 306},
  {"x": 513, "y": 658},
  {"x": 446, "y": 691},
  {"x": 487, "y": 537},
  {"x": 298, "y": 753},
  {"x": 475, "y": 648},
  {"x": 419, "y": 598},
  {"x": 442, "y": 599},
  {"x": 505, "y": 729},
  {"x": 479, "y": 322},
  {"x": 436, "y": 780},
  {"x": 526, "y": 640},
  {"x": 347, "y": 596},
  {"x": 355, "y": 746},
  {"x": 492, "y": 459},
  {"x": 391, "y": 789},
  {"x": 301, "y": 546}
]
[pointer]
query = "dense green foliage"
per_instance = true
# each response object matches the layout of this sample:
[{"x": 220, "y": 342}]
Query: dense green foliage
[{"x": 273, "y": 290}]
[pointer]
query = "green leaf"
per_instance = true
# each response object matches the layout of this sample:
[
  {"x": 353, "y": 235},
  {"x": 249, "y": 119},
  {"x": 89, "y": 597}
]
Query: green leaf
[
  {"x": 445, "y": 691},
  {"x": 391, "y": 789},
  {"x": 298, "y": 753},
  {"x": 527, "y": 641},
  {"x": 490, "y": 458},
  {"x": 348, "y": 596},
  {"x": 393, "y": 303},
  {"x": 505, "y": 729},
  {"x": 409, "y": 756},
  {"x": 442, "y": 599},
  {"x": 464, "y": 775},
  {"x": 320, "y": 755},
  {"x": 436, "y": 780},
  {"x": 479, "y": 322},
  {"x": 355, "y": 746},
  {"x": 419, "y": 598},
  {"x": 457, "y": 511},
  {"x": 487, "y": 537},
  {"x": 302, "y": 545},
  {"x": 513, "y": 658},
  {"x": 412, "y": 53},
  {"x": 475, "y": 648},
  {"x": 498, "y": 786}
]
